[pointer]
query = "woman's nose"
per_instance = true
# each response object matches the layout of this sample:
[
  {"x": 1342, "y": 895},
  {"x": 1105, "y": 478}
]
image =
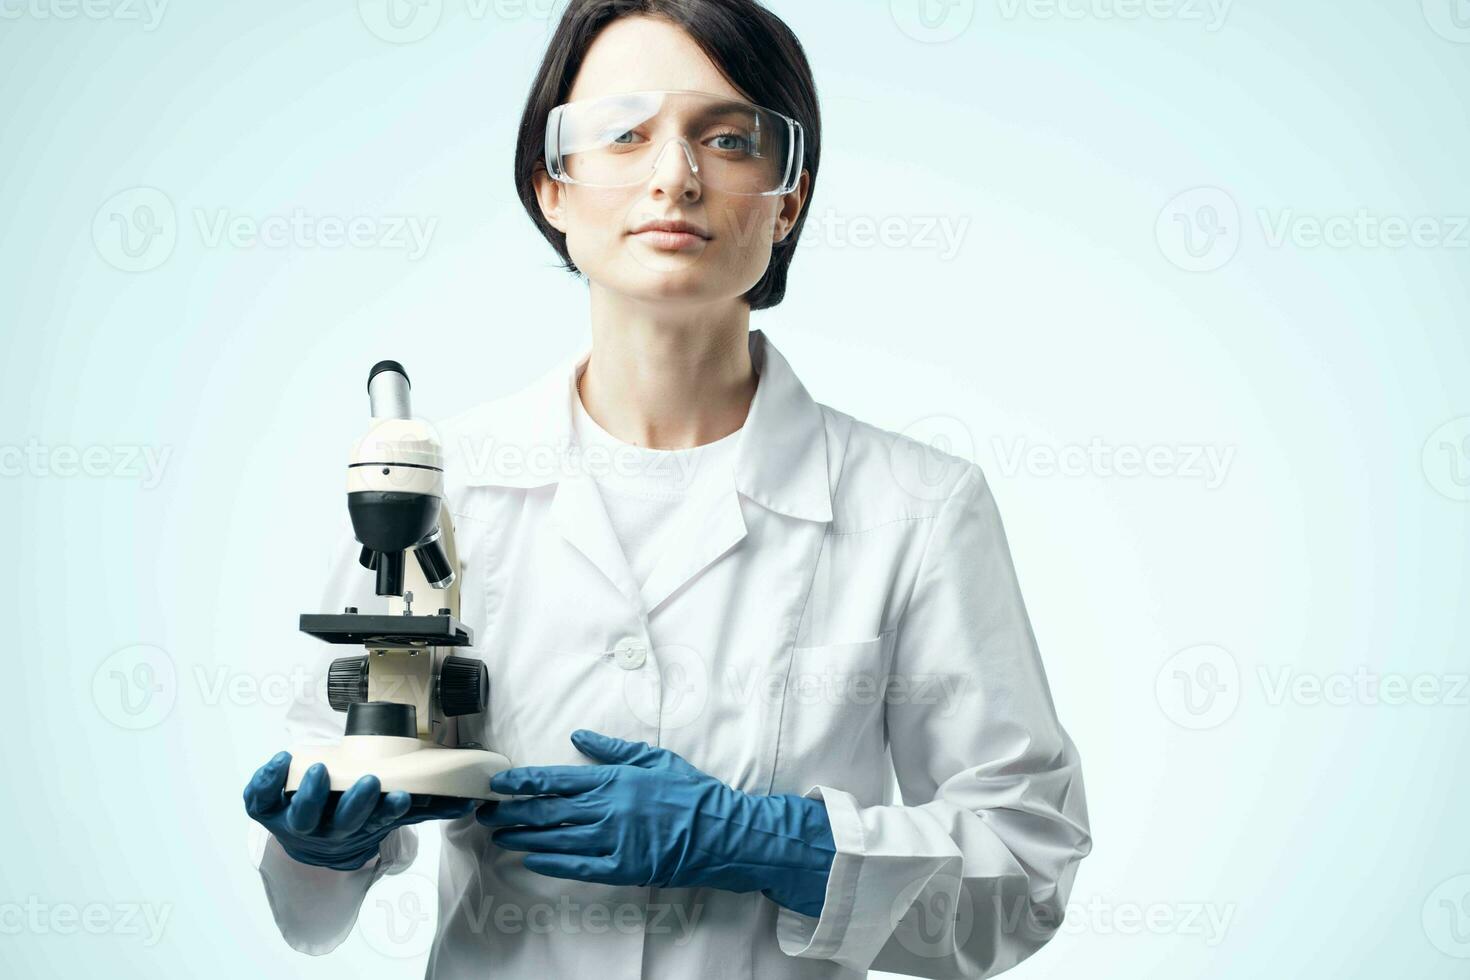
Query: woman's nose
[{"x": 675, "y": 172}]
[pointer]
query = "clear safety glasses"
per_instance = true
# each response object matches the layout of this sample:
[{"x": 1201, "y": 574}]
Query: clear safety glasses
[{"x": 620, "y": 140}]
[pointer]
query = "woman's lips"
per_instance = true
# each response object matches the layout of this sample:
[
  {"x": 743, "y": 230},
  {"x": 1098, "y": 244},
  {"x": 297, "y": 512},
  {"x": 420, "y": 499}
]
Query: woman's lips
[{"x": 669, "y": 241}]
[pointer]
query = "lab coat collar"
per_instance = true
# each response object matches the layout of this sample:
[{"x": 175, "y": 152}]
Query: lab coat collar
[{"x": 780, "y": 461}]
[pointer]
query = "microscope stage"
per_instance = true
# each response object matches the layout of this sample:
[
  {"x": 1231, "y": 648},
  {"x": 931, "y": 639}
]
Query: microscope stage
[{"x": 402, "y": 631}]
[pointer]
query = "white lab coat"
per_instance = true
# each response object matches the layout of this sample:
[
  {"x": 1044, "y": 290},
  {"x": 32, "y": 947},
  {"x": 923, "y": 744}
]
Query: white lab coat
[{"x": 846, "y": 613}]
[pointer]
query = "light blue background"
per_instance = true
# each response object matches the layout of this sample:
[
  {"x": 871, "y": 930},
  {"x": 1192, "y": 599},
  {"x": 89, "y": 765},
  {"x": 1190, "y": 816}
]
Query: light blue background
[{"x": 1085, "y": 299}]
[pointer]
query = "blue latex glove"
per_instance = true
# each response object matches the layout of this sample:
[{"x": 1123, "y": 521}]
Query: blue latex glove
[
  {"x": 651, "y": 818},
  {"x": 345, "y": 837}
]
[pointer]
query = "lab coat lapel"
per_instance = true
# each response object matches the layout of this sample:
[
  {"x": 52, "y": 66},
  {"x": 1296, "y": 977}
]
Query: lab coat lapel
[
  {"x": 781, "y": 464},
  {"x": 578, "y": 511},
  {"x": 705, "y": 532}
]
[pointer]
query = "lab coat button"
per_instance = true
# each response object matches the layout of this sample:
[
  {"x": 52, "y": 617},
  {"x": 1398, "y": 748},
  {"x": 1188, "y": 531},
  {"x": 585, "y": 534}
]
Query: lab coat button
[{"x": 630, "y": 654}]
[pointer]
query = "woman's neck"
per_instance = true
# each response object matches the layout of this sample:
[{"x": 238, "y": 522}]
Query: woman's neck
[{"x": 669, "y": 377}]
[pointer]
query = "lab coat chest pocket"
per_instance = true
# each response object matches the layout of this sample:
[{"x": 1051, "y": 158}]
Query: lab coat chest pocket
[{"x": 832, "y": 713}]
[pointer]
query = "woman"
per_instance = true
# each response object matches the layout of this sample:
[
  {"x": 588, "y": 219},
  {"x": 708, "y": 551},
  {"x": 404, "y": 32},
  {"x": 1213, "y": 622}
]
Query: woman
[{"x": 712, "y": 609}]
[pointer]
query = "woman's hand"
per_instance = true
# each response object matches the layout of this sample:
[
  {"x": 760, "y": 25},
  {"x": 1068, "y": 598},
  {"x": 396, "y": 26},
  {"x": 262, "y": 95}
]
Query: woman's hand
[
  {"x": 648, "y": 817},
  {"x": 344, "y": 837}
]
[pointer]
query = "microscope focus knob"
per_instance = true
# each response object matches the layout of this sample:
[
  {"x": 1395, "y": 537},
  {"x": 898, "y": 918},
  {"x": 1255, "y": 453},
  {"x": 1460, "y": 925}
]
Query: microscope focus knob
[
  {"x": 347, "y": 682},
  {"x": 464, "y": 686}
]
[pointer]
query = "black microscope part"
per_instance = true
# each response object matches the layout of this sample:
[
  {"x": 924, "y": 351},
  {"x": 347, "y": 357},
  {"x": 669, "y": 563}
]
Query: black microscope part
[
  {"x": 382, "y": 366},
  {"x": 382, "y": 718}
]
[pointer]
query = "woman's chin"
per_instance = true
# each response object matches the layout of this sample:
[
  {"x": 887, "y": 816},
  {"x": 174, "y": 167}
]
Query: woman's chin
[{"x": 670, "y": 277}]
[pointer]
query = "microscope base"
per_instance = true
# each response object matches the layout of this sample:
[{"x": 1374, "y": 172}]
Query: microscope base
[{"x": 412, "y": 765}]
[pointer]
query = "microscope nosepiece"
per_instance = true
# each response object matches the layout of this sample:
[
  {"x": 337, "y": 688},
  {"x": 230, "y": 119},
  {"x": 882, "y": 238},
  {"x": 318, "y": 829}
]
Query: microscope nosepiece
[{"x": 434, "y": 562}]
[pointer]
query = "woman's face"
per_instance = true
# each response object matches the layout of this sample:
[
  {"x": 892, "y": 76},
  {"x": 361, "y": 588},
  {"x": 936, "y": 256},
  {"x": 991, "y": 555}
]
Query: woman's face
[{"x": 640, "y": 54}]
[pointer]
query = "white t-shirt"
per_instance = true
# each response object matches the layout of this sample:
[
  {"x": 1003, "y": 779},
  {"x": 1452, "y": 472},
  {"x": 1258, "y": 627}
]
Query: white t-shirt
[{"x": 643, "y": 490}]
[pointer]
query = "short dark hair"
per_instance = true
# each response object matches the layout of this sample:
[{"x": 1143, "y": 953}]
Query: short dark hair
[{"x": 753, "y": 49}]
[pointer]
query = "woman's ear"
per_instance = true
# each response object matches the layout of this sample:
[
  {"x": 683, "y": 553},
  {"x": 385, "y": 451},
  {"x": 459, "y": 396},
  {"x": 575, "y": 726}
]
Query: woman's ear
[
  {"x": 551, "y": 196},
  {"x": 791, "y": 205}
]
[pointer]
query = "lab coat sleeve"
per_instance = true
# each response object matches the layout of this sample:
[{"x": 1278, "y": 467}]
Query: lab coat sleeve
[
  {"x": 971, "y": 874},
  {"x": 316, "y": 908}
]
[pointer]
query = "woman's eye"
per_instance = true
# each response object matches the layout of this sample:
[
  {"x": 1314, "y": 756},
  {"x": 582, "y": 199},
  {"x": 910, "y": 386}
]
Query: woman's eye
[
  {"x": 624, "y": 138},
  {"x": 734, "y": 142}
]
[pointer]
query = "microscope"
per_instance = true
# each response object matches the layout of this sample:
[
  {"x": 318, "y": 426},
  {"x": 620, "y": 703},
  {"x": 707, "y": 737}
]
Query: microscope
[{"x": 404, "y": 694}]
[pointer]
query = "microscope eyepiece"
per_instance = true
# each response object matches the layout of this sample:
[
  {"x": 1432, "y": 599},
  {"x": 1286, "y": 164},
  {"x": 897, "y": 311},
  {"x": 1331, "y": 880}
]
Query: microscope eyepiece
[
  {"x": 382, "y": 366},
  {"x": 388, "y": 388}
]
